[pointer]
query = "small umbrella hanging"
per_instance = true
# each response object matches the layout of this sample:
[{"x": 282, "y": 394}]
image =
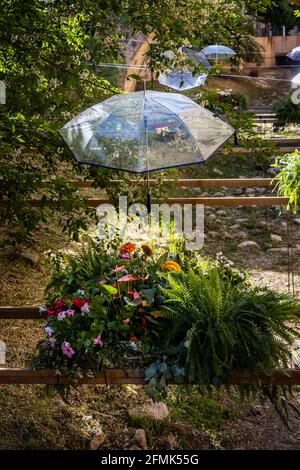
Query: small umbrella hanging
[
  {"x": 197, "y": 57},
  {"x": 218, "y": 52},
  {"x": 182, "y": 80},
  {"x": 145, "y": 131},
  {"x": 294, "y": 54}
]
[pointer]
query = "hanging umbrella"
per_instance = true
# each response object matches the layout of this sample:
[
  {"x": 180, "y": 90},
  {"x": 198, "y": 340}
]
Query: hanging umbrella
[
  {"x": 182, "y": 80},
  {"x": 294, "y": 54},
  {"x": 145, "y": 131},
  {"x": 197, "y": 57},
  {"x": 218, "y": 52}
]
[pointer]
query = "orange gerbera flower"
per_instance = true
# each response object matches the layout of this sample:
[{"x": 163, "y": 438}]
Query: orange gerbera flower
[
  {"x": 171, "y": 266},
  {"x": 127, "y": 248}
]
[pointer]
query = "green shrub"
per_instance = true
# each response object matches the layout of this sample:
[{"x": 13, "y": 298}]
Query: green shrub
[
  {"x": 288, "y": 180},
  {"x": 224, "y": 327},
  {"x": 287, "y": 112}
]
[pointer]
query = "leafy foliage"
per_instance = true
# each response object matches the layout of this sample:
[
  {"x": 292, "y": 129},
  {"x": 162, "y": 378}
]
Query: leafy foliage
[
  {"x": 288, "y": 179},
  {"x": 224, "y": 328},
  {"x": 49, "y": 55},
  {"x": 287, "y": 112}
]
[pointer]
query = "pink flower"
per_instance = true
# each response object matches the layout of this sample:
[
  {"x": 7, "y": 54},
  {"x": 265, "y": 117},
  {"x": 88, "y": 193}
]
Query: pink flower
[
  {"x": 98, "y": 341},
  {"x": 67, "y": 349},
  {"x": 52, "y": 341},
  {"x": 117, "y": 269},
  {"x": 61, "y": 316},
  {"x": 70, "y": 312},
  {"x": 85, "y": 308},
  {"x": 102, "y": 281},
  {"x": 124, "y": 256},
  {"x": 135, "y": 294},
  {"x": 127, "y": 278}
]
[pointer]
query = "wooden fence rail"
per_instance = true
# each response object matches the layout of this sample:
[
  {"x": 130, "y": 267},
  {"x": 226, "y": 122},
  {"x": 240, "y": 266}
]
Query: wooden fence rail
[
  {"x": 13, "y": 376},
  {"x": 188, "y": 183},
  {"x": 32, "y": 312},
  {"x": 224, "y": 201}
]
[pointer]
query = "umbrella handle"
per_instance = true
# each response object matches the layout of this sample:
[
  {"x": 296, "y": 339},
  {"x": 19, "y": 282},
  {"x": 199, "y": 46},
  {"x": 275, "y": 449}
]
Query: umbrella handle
[
  {"x": 235, "y": 138},
  {"x": 149, "y": 201}
]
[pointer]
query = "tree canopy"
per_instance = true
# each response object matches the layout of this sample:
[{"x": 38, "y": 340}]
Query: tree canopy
[{"x": 49, "y": 51}]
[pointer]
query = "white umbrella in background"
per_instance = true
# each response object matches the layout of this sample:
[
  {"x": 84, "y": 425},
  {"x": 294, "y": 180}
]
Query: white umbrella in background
[
  {"x": 294, "y": 54},
  {"x": 182, "y": 80},
  {"x": 218, "y": 52}
]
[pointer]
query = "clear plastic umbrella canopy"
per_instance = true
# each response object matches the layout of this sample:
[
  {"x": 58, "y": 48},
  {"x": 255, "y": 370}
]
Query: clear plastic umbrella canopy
[
  {"x": 218, "y": 52},
  {"x": 197, "y": 57},
  {"x": 182, "y": 80},
  {"x": 294, "y": 54},
  {"x": 145, "y": 131}
]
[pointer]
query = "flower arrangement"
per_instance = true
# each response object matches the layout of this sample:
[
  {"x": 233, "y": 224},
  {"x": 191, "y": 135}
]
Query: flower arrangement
[
  {"x": 115, "y": 311},
  {"x": 180, "y": 316}
]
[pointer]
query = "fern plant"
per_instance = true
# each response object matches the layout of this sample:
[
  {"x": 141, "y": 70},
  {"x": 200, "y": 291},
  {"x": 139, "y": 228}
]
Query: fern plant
[
  {"x": 288, "y": 179},
  {"x": 224, "y": 328}
]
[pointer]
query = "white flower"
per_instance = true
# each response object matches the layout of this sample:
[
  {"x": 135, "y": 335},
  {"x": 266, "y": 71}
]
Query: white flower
[{"x": 48, "y": 330}]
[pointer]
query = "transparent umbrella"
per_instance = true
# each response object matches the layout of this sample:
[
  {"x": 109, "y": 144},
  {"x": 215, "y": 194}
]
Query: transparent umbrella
[
  {"x": 145, "y": 131},
  {"x": 197, "y": 57},
  {"x": 182, "y": 80},
  {"x": 294, "y": 54},
  {"x": 218, "y": 52}
]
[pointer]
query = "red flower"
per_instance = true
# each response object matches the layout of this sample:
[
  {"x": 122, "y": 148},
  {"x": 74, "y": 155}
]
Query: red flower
[
  {"x": 78, "y": 303},
  {"x": 144, "y": 323},
  {"x": 51, "y": 312},
  {"x": 59, "y": 306},
  {"x": 127, "y": 248}
]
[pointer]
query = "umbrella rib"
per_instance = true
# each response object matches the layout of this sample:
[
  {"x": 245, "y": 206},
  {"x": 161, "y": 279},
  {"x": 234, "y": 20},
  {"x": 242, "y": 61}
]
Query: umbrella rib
[{"x": 140, "y": 133}]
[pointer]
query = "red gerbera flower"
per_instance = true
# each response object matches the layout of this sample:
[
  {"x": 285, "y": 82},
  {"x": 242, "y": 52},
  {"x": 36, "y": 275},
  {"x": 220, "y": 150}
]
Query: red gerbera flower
[{"x": 127, "y": 248}]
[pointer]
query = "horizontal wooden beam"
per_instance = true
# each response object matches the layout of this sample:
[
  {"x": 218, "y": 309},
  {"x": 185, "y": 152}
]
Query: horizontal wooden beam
[
  {"x": 26, "y": 312},
  {"x": 13, "y": 376},
  {"x": 189, "y": 183},
  {"x": 225, "y": 201}
]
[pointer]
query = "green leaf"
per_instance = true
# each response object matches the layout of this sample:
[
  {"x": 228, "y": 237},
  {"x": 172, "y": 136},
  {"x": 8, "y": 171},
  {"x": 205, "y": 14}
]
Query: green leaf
[
  {"x": 109, "y": 289},
  {"x": 151, "y": 371}
]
